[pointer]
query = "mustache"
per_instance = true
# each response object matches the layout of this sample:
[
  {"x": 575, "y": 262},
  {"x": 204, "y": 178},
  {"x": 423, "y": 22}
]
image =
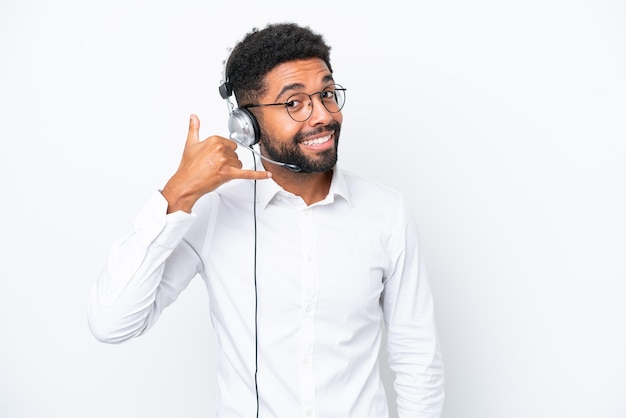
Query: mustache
[{"x": 333, "y": 126}]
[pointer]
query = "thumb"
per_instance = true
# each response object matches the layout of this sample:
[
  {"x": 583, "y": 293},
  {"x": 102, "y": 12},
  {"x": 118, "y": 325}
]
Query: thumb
[{"x": 193, "y": 136}]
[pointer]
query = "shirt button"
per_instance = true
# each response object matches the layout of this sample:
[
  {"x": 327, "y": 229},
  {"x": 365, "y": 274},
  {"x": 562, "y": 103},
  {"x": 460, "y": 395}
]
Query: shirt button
[
  {"x": 308, "y": 308},
  {"x": 309, "y": 412}
]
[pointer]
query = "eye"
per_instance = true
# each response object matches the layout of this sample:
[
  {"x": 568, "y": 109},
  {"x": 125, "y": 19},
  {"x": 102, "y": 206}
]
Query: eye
[
  {"x": 296, "y": 101},
  {"x": 327, "y": 94}
]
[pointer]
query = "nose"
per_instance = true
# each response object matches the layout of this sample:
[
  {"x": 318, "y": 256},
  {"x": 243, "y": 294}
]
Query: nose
[{"x": 319, "y": 114}]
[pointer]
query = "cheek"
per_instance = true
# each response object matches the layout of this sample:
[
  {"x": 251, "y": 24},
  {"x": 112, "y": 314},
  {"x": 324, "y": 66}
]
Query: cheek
[{"x": 279, "y": 129}]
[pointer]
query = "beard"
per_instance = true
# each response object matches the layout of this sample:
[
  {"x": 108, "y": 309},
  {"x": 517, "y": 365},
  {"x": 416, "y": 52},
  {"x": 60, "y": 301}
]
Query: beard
[{"x": 290, "y": 153}]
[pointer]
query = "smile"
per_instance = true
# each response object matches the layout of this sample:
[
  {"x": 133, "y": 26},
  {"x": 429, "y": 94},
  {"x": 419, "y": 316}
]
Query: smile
[{"x": 317, "y": 141}]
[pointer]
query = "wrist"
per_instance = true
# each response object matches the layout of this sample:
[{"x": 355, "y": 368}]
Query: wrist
[{"x": 178, "y": 199}]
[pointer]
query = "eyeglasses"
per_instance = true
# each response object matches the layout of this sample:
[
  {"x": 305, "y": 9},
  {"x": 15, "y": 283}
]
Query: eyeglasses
[{"x": 300, "y": 105}]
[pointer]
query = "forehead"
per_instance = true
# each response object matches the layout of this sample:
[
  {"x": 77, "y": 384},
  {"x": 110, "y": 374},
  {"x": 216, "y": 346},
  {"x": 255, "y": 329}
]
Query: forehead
[{"x": 301, "y": 75}]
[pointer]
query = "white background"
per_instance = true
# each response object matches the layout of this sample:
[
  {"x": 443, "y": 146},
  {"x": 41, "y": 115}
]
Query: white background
[{"x": 502, "y": 122}]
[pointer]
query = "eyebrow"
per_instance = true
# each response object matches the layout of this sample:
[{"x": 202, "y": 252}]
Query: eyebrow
[{"x": 299, "y": 86}]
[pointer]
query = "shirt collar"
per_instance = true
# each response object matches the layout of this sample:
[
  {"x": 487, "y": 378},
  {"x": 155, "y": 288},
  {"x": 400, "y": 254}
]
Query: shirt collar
[{"x": 268, "y": 190}]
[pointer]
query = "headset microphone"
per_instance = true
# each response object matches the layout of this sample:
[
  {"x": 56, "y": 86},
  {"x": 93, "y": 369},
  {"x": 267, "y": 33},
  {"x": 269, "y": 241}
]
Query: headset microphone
[{"x": 292, "y": 167}]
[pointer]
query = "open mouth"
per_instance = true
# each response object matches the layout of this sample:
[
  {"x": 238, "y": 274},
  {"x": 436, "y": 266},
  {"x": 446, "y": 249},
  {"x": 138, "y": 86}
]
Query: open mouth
[{"x": 317, "y": 142}]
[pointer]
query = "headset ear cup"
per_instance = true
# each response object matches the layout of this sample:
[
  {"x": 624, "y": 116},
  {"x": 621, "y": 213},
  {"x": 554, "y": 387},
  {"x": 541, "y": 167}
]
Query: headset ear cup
[
  {"x": 255, "y": 126},
  {"x": 243, "y": 127}
]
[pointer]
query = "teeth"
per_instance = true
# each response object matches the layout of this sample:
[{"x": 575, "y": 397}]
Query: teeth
[{"x": 317, "y": 141}]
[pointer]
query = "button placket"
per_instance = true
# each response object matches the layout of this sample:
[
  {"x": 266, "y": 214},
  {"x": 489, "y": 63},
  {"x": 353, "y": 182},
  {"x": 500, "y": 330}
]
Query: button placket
[{"x": 309, "y": 289}]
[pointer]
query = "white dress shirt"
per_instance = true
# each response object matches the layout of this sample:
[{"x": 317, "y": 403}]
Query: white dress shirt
[{"x": 326, "y": 276}]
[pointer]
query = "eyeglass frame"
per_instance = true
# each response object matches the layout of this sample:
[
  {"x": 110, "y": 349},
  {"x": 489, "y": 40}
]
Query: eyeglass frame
[{"x": 286, "y": 104}]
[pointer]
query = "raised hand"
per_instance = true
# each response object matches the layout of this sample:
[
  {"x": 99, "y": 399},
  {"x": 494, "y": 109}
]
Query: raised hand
[{"x": 204, "y": 167}]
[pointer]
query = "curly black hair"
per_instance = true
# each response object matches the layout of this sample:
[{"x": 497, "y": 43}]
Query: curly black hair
[{"x": 262, "y": 50}]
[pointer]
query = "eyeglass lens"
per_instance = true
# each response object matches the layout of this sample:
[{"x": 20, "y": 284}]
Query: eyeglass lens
[{"x": 300, "y": 105}]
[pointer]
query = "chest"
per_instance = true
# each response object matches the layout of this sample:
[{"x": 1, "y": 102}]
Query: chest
[{"x": 304, "y": 259}]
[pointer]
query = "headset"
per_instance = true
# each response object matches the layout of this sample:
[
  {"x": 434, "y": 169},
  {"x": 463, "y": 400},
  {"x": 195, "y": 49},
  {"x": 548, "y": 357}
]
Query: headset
[{"x": 242, "y": 125}]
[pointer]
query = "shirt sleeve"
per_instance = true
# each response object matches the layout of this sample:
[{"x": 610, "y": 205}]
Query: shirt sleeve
[
  {"x": 145, "y": 272},
  {"x": 412, "y": 342}
]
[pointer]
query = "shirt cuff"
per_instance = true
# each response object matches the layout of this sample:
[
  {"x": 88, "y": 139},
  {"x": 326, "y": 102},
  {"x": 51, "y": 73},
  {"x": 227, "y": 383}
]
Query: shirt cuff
[{"x": 154, "y": 226}]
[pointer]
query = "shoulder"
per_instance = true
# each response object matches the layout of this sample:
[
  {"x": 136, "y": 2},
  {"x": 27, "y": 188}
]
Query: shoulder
[
  {"x": 382, "y": 206},
  {"x": 363, "y": 190}
]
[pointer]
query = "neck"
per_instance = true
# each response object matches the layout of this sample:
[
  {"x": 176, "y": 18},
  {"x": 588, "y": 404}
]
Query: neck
[{"x": 311, "y": 187}]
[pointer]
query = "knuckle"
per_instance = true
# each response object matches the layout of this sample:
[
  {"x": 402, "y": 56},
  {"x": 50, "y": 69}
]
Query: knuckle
[{"x": 221, "y": 161}]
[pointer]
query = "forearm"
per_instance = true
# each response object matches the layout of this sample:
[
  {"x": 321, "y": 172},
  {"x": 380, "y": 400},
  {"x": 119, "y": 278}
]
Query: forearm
[
  {"x": 413, "y": 347},
  {"x": 418, "y": 366}
]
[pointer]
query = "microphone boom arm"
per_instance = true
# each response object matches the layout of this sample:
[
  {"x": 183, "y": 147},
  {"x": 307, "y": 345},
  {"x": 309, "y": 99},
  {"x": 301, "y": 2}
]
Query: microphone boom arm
[{"x": 291, "y": 167}]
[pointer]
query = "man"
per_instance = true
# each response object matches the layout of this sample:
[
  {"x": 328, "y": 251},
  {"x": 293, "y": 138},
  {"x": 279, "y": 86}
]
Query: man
[{"x": 302, "y": 261}]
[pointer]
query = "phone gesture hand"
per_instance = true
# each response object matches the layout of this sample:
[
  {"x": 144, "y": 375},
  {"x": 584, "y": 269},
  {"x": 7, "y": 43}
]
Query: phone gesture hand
[{"x": 205, "y": 165}]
